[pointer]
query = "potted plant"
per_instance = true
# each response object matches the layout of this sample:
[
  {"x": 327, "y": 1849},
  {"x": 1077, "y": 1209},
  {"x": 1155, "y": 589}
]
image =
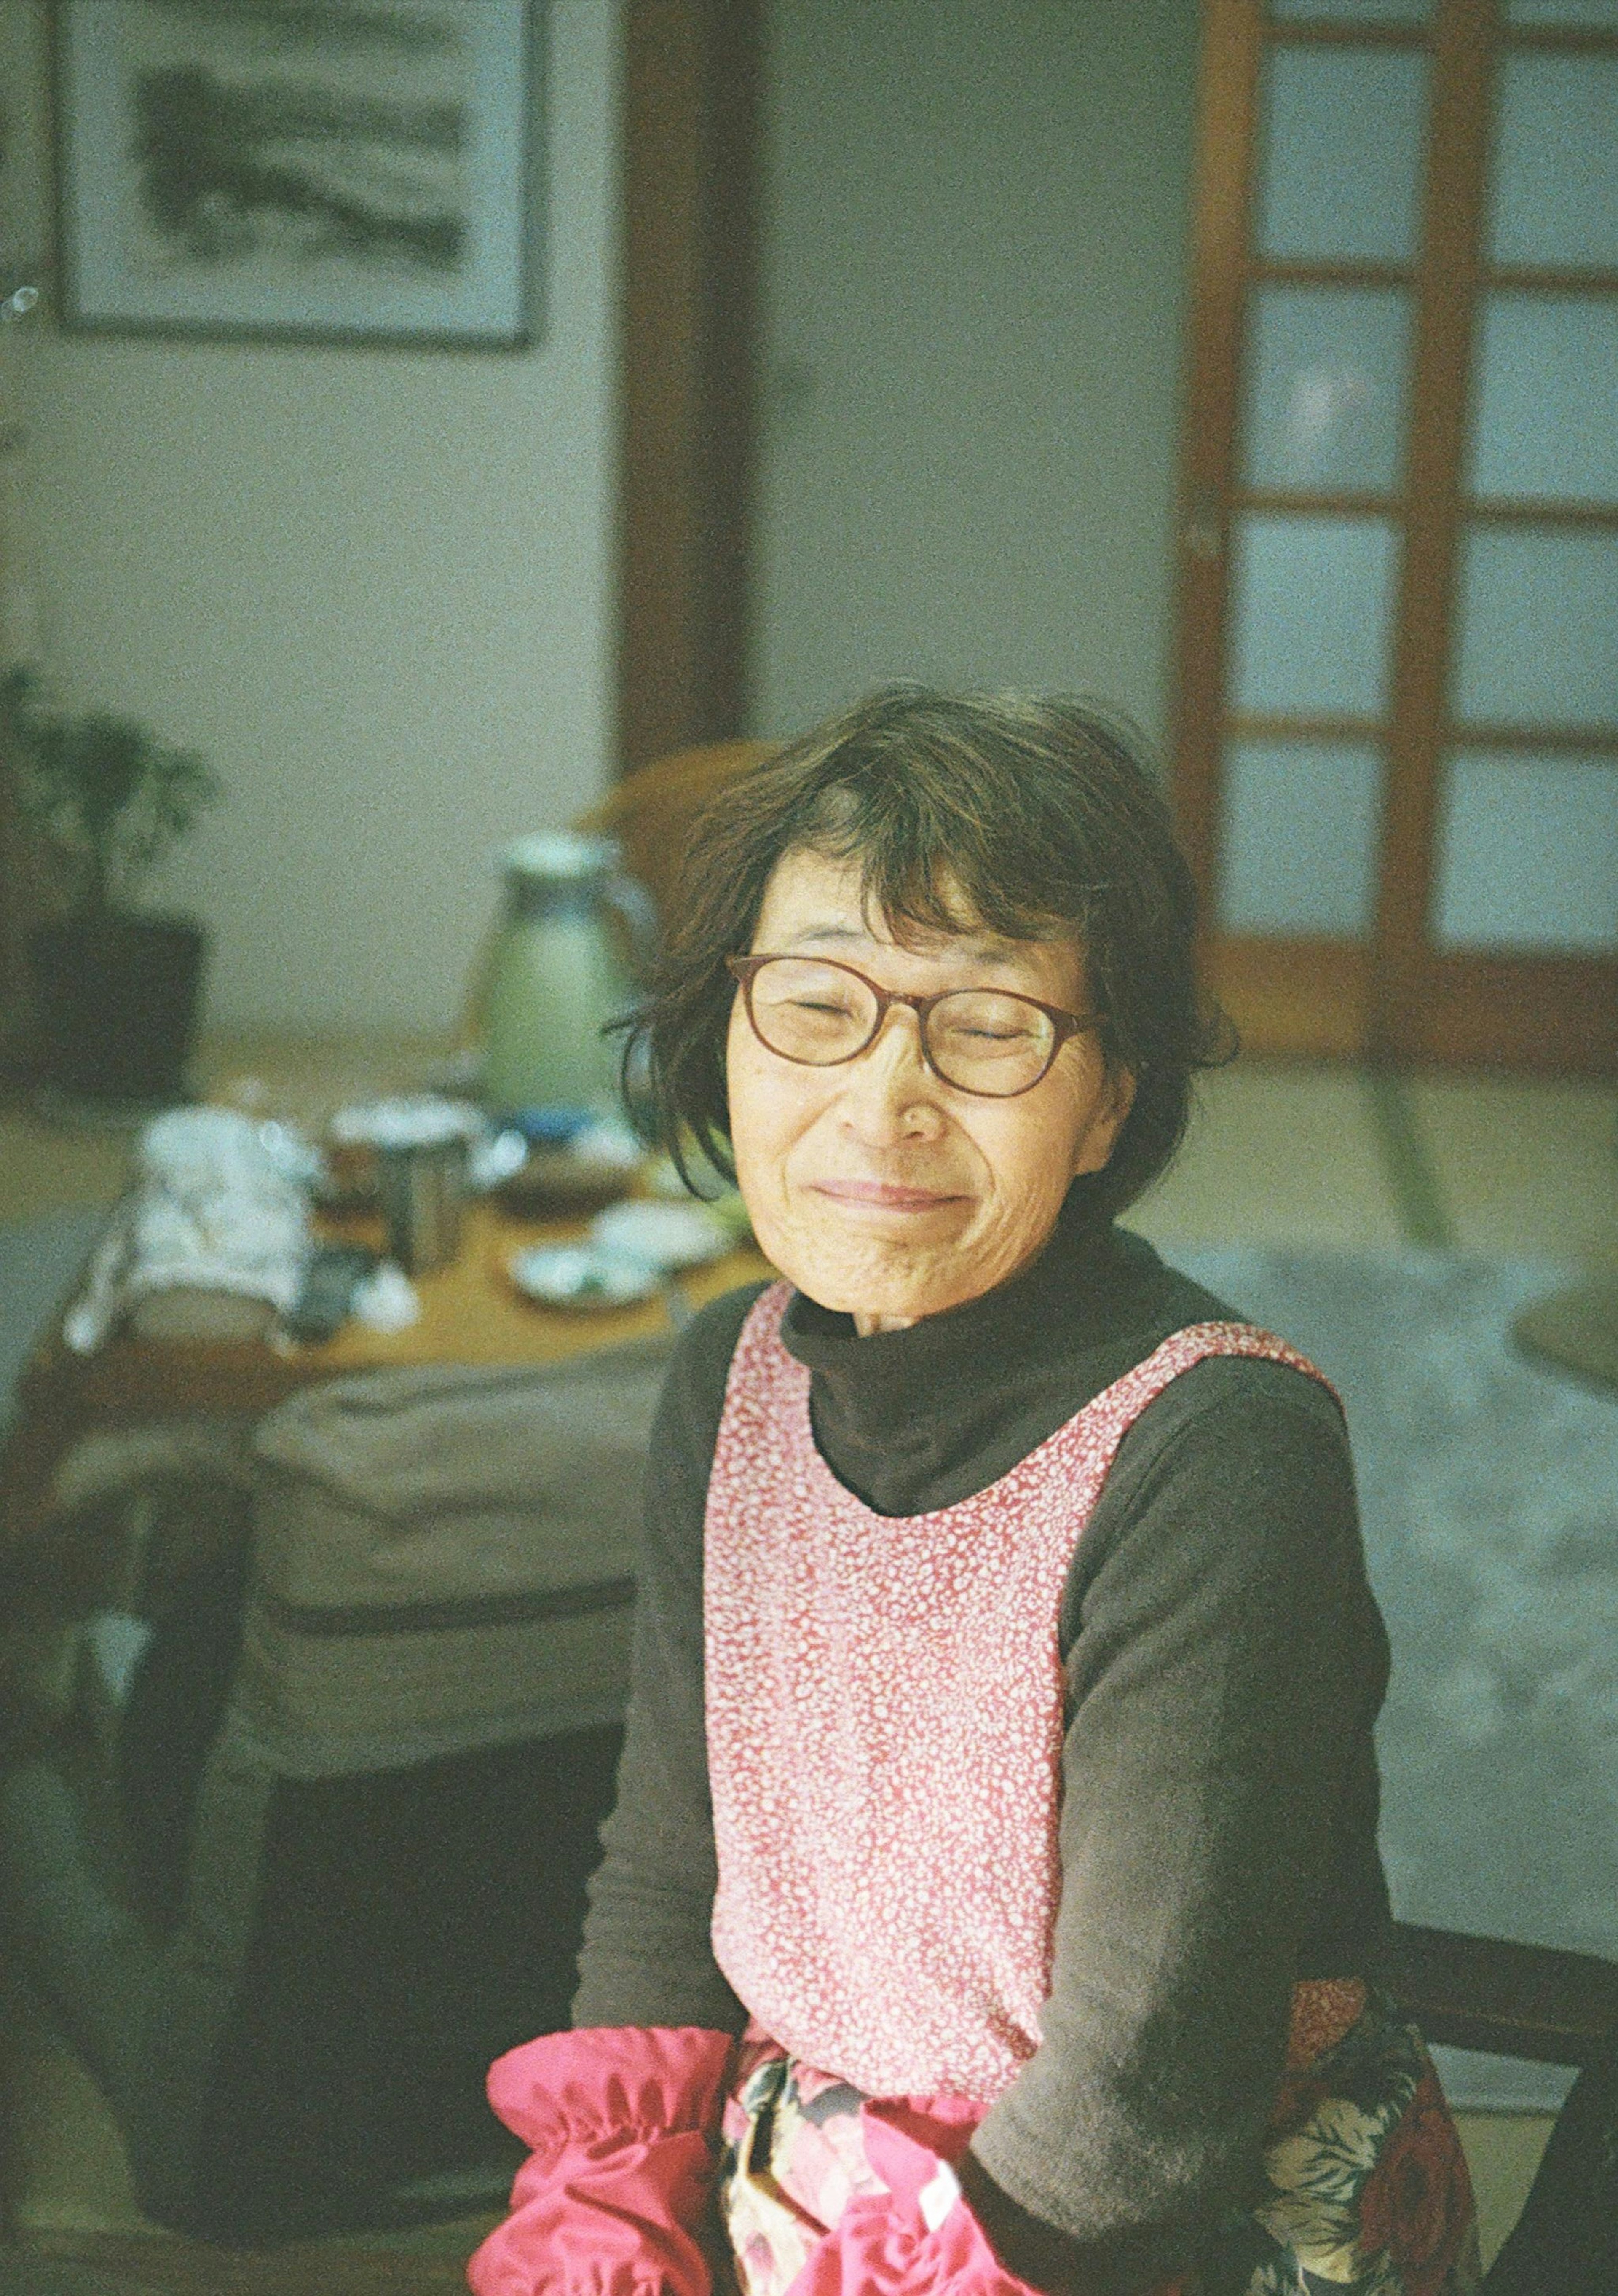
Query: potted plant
[{"x": 117, "y": 989}]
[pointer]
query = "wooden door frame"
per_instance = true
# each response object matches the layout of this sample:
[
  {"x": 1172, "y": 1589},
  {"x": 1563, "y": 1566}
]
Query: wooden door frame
[
  {"x": 1227, "y": 108},
  {"x": 1443, "y": 303},
  {"x": 1395, "y": 997},
  {"x": 690, "y": 127},
  {"x": 1553, "y": 1014},
  {"x": 1289, "y": 997}
]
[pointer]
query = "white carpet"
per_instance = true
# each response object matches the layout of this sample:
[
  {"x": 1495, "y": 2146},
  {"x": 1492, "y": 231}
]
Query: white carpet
[{"x": 1489, "y": 1490}]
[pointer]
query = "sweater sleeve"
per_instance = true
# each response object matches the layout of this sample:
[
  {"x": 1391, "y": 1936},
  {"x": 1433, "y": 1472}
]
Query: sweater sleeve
[
  {"x": 1228, "y": 1657},
  {"x": 647, "y": 1957}
]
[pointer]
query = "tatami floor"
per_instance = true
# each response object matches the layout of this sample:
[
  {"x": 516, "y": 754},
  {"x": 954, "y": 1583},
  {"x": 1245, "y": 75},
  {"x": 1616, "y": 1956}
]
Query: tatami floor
[{"x": 1277, "y": 1155}]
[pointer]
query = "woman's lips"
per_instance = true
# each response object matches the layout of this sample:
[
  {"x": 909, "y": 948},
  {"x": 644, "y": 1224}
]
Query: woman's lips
[{"x": 884, "y": 1195}]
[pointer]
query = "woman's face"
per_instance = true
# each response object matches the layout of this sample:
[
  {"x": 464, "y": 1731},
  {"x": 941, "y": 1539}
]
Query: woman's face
[{"x": 873, "y": 1186}]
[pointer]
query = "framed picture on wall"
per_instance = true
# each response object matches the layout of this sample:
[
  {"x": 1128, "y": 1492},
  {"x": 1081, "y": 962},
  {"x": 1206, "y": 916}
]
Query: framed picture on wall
[{"x": 298, "y": 170}]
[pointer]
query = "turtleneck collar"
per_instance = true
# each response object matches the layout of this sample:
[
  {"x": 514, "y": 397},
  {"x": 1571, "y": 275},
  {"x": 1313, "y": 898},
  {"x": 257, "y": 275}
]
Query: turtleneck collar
[{"x": 903, "y": 1417}]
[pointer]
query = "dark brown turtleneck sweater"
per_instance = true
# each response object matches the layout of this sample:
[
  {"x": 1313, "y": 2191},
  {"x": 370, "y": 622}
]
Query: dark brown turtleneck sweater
[{"x": 1224, "y": 1660}]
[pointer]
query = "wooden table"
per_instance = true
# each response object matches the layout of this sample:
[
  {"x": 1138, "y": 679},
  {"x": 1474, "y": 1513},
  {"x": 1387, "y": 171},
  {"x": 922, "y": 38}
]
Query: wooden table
[{"x": 471, "y": 1313}]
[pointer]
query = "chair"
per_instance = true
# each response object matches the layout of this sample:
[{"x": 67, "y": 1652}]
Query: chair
[
  {"x": 335, "y": 1861},
  {"x": 1550, "y": 2008},
  {"x": 652, "y": 812}
]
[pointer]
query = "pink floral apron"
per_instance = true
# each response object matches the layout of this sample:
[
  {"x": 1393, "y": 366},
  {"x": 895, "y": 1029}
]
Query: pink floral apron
[{"x": 885, "y": 1718}]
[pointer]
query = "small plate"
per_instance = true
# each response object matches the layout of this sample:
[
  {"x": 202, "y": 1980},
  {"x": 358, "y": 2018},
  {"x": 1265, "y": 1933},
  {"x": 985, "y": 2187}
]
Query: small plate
[
  {"x": 663, "y": 1237},
  {"x": 579, "y": 1275}
]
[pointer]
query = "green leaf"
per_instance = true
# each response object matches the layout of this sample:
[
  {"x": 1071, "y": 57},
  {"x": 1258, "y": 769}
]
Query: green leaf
[{"x": 107, "y": 797}]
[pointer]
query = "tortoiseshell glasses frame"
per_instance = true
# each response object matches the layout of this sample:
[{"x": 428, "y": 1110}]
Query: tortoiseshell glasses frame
[{"x": 1062, "y": 1023}]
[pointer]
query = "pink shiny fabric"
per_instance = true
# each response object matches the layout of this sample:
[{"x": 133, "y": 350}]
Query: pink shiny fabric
[
  {"x": 624, "y": 2122},
  {"x": 919, "y": 2238}
]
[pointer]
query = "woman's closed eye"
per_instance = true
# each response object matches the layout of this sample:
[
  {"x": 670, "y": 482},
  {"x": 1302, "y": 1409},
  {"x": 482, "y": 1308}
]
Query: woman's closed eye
[
  {"x": 812, "y": 1016},
  {"x": 996, "y": 1031}
]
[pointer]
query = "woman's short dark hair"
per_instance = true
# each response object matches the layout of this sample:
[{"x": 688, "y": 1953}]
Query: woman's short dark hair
[{"x": 1032, "y": 815}]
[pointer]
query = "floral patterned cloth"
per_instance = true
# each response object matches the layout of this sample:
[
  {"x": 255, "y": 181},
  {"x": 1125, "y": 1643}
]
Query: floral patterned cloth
[
  {"x": 1365, "y": 2187},
  {"x": 931, "y": 1810}
]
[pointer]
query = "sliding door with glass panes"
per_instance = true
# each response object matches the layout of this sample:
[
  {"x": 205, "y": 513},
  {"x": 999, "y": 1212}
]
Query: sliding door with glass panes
[{"x": 1397, "y": 756}]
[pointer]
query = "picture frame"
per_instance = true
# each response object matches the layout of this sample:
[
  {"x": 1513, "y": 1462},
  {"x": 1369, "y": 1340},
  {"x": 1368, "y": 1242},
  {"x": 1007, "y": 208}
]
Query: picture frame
[{"x": 317, "y": 171}]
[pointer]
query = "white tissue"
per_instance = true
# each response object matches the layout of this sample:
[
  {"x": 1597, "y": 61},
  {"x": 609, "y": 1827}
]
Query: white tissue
[{"x": 218, "y": 1208}]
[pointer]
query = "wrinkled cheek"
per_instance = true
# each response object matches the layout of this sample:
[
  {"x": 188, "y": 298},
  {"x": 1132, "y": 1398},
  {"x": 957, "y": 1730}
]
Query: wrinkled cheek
[
  {"x": 777, "y": 1232},
  {"x": 783, "y": 1222},
  {"x": 760, "y": 1172}
]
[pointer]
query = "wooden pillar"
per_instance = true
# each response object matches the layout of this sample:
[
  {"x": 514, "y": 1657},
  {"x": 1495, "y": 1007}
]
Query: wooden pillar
[{"x": 688, "y": 359}]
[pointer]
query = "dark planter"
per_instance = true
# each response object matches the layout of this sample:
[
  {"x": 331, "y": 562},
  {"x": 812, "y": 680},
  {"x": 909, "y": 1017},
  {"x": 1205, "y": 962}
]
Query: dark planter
[{"x": 117, "y": 1000}]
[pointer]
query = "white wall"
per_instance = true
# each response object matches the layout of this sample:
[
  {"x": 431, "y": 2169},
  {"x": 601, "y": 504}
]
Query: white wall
[
  {"x": 374, "y": 587},
  {"x": 977, "y": 251}
]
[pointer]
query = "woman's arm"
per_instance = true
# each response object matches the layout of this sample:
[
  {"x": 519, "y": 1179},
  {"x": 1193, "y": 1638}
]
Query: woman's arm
[
  {"x": 1227, "y": 1662},
  {"x": 647, "y": 1958}
]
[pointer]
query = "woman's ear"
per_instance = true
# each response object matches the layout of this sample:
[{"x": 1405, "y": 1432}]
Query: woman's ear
[{"x": 1107, "y": 1118}]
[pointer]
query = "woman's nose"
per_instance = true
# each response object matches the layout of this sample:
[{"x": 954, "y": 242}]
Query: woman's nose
[{"x": 889, "y": 1080}]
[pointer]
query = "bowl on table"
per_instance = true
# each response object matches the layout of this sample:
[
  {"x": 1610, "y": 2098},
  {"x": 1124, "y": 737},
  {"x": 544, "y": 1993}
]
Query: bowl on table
[{"x": 553, "y": 1162}]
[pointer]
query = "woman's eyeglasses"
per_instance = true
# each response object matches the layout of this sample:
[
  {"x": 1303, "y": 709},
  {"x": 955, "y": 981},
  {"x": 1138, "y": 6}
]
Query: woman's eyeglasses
[{"x": 818, "y": 1012}]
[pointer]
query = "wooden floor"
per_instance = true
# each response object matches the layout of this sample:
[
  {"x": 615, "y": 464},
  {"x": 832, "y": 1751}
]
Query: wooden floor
[{"x": 1285, "y": 1154}]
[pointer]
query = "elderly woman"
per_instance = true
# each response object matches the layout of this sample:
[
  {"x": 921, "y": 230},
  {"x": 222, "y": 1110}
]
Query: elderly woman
[{"x": 992, "y": 1899}]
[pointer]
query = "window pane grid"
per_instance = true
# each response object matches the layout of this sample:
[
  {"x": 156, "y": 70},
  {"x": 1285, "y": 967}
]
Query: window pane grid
[
  {"x": 1311, "y": 615},
  {"x": 1303, "y": 824},
  {"x": 1289, "y": 726},
  {"x": 1534, "y": 509},
  {"x": 1555, "y": 187},
  {"x": 1568, "y": 39},
  {"x": 1299, "y": 725},
  {"x": 1536, "y": 631},
  {"x": 1559, "y": 496},
  {"x": 1545, "y": 399},
  {"x": 1527, "y": 856},
  {"x": 1325, "y": 387},
  {"x": 1555, "y": 279},
  {"x": 1571, "y": 42},
  {"x": 1341, "y": 141}
]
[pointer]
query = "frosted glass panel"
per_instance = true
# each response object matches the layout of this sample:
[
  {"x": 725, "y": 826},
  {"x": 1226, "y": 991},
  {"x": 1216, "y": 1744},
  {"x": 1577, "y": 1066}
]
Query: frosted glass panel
[
  {"x": 1343, "y": 146},
  {"x": 1353, "y": 12},
  {"x": 1547, "y": 398},
  {"x": 1563, "y": 11},
  {"x": 1326, "y": 391},
  {"x": 1556, "y": 166},
  {"x": 1312, "y": 603},
  {"x": 1302, "y": 822},
  {"x": 1538, "y": 628},
  {"x": 1528, "y": 855}
]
